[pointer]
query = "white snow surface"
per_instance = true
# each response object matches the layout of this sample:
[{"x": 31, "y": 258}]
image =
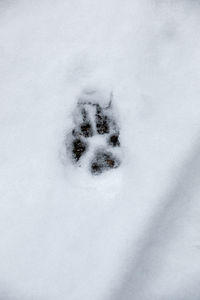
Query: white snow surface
[{"x": 134, "y": 232}]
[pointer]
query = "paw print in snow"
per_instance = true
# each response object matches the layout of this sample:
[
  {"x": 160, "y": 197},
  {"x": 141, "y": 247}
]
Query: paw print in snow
[{"x": 95, "y": 138}]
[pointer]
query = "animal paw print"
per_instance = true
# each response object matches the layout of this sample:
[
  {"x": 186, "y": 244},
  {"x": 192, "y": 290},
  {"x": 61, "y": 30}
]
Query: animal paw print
[{"x": 95, "y": 138}]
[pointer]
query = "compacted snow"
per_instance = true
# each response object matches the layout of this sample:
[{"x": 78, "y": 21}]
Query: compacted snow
[{"x": 132, "y": 232}]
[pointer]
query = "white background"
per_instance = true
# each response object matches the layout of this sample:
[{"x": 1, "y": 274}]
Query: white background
[{"x": 135, "y": 232}]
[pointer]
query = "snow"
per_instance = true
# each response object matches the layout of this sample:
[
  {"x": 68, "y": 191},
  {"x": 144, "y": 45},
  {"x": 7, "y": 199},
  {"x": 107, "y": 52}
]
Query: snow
[{"x": 133, "y": 233}]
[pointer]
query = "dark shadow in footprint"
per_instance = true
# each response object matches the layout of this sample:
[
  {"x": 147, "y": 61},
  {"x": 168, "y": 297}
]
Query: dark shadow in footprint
[
  {"x": 102, "y": 121},
  {"x": 86, "y": 129},
  {"x": 103, "y": 161},
  {"x": 114, "y": 140},
  {"x": 78, "y": 148},
  {"x": 85, "y": 126}
]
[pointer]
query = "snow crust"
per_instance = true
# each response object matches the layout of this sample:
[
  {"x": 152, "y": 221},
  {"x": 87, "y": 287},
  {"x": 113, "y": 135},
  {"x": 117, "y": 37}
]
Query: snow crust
[{"x": 130, "y": 234}]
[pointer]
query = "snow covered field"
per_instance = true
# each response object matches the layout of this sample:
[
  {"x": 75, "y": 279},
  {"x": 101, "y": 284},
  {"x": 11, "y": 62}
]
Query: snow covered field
[{"x": 133, "y": 232}]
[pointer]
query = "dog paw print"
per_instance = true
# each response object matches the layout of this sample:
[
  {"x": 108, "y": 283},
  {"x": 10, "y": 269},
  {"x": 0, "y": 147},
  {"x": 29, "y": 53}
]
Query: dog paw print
[{"x": 94, "y": 141}]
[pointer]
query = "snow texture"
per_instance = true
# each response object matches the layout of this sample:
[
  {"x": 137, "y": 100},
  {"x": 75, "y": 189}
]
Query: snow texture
[{"x": 132, "y": 232}]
